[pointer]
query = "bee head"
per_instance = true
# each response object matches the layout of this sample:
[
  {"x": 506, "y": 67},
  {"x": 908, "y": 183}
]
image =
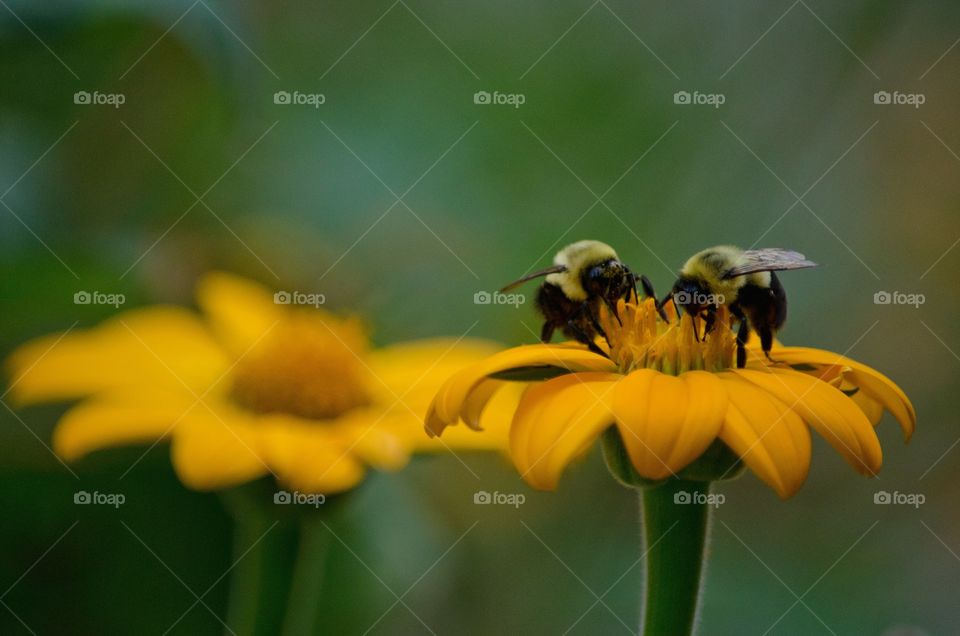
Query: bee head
[
  {"x": 691, "y": 295},
  {"x": 609, "y": 279}
]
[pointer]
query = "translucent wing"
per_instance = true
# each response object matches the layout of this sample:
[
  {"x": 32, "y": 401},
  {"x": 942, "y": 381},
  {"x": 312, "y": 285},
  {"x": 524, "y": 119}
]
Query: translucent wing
[
  {"x": 553, "y": 269},
  {"x": 771, "y": 259}
]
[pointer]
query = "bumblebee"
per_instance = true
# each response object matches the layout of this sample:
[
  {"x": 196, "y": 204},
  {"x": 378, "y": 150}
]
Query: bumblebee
[
  {"x": 744, "y": 281},
  {"x": 583, "y": 275}
]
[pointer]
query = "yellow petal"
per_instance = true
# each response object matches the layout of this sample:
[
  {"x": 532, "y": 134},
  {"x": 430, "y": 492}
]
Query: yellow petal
[
  {"x": 157, "y": 346},
  {"x": 239, "y": 310},
  {"x": 872, "y": 382},
  {"x": 830, "y": 412},
  {"x": 477, "y": 401},
  {"x": 839, "y": 377},
  {"x": 769, "y": 437},
  {"x": 447, "y": 406},
  {"x": 888, "y": 394},
  {"x": 488, "y": 413},
  {"x": 212, "y": 452},
  {"x": 665, "y": 421},
  {"x": 706, "y": 407},
  {"x": 557, "y": 421},
  {"x": 414, "y": 371},
  {"x": 870, "y": 407},
  {"x": 115, "y": 419},
  {"x": 527, "y": 418}
]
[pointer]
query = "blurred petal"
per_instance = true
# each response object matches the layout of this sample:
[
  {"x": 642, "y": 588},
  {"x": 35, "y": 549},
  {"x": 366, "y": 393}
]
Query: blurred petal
[
  {"x": 666, "y": 421},
  {"x": 314, "y": 460},
  {"x": 418, "y": 368},
  {"x": 116, "y": 419},
  {"x": 240, "y": 311},
  {"x": 384, "y": 443},
  {"x": 826, "y": 409},
  {"x": 769, "y": 437},
  {"x": 447, "y": 406},
  {"x": 155, "y": 347},
  {"x": 210, "y": 452}
]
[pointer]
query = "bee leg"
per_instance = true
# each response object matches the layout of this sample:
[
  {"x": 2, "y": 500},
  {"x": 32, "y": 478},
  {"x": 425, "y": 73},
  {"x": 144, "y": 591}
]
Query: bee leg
[
  {"x": 613, "y": 311},
  {"x": 546, "y": 333},
  {"x": 649, "y": 292},
  {"x": 632, "y": 288},
  {"x": 582, "y": 337},
  {"x": 587, "y": 308},
  {"x": 670, "y": 297},
  {"x": 766, "y": 341},
  {"x": 710, "y": 320},
  {"x": 597, "y": 327},
  {"x": 742, "y": 334}
]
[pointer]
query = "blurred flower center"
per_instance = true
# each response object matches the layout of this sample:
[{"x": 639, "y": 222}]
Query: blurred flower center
[
  {"x": 641, "y": 339},
  {"x": 305, "y": 366}
]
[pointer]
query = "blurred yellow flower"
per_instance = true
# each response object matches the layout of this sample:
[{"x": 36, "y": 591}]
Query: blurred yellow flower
[
  {"x": 671, "y": 395},
  {"x": 250, "y": 388}
]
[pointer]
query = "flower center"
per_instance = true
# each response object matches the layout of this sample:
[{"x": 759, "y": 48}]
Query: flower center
[
  {"x": 641, "y": 339},
  {"x": 307, "y": 365}
]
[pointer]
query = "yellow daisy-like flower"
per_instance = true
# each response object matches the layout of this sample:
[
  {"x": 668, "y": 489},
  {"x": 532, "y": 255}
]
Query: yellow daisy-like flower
[
  {"x": 250, "y": 388},
  {"x": 671, "y": 395}
]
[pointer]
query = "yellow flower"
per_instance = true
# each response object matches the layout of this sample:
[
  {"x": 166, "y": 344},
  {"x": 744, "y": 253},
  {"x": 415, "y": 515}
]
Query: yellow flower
[
  {"x": 671, "y": 395},
  {"x": 251, "y": 388}
]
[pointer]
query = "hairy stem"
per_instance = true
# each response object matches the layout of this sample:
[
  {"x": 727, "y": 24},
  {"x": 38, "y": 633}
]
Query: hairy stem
[{"x": 675, "y": 521}]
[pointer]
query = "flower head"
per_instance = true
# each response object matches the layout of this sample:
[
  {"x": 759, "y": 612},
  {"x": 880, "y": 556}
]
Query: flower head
[
  {"x": 249, "y": 388},
  {"x": 671, "y": 392}
]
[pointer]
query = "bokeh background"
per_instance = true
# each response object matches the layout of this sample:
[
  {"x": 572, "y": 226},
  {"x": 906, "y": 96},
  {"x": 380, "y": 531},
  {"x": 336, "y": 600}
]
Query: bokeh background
[{"x": 799, "y": 155}]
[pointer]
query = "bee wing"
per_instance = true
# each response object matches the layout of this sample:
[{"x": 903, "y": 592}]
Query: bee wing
[
  {"x": 553, "y": 269},
  {"x": 771, "y": 259}
]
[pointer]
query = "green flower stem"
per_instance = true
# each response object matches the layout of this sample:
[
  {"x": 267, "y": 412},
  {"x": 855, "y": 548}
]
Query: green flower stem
[
  {"x": 308, "y": 573},
  {"x": 675, "y": 533}
]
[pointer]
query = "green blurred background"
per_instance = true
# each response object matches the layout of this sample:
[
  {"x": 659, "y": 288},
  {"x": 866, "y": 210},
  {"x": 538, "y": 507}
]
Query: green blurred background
[{"x": 302, "y": 197}]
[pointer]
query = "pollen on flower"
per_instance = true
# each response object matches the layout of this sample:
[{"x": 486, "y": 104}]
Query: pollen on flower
[
  {"x": 638, "y": 338},
  {"x": 309, "y": 364}
]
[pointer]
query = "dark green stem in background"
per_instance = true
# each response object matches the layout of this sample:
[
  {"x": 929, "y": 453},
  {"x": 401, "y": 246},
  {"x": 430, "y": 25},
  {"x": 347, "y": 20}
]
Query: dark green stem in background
[
  {"x": 308, "y": 577},
  {"x": 263, "y": 554},
  {"x": 675, "y": 534},
  {"x": 279, "y": 560}
]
